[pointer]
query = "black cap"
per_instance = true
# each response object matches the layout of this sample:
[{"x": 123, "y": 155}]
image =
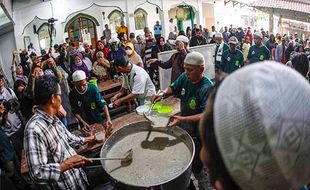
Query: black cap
[{"x": 120, "y": 61}]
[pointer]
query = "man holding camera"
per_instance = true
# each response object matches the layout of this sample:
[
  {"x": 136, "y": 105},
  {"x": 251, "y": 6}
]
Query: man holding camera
[{"x": 11, "y": 123}]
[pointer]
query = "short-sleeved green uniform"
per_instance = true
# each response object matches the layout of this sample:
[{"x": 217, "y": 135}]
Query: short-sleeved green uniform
[
  {"x": 257, "y": 54},
  {"x": 231, "y": 61},
  {"x": 193, "y": 99},
  {"x": 89, "y": 105}
]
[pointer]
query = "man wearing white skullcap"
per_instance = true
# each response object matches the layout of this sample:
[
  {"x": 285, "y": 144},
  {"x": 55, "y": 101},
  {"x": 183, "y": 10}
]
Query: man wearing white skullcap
[
  {"x": 258, "y": 52},
  {"x": 87, "y": 102},
  {"x": 176, "y": 61},
  {"x": 88, "y": 51},
  {"x": 192, "y": 88},
  {"x": 254, "y": 135},
  {"x": 221, "y": 47}
]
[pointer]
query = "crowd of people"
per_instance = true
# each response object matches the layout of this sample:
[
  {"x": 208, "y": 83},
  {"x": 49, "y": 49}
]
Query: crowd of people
[{"x": 34, "y": 113}]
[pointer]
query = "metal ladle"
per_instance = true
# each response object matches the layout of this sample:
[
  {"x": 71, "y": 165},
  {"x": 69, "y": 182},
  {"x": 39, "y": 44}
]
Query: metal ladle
[
  {"x": 126, "y": 158},
  {"x": 151, "y": 107}
]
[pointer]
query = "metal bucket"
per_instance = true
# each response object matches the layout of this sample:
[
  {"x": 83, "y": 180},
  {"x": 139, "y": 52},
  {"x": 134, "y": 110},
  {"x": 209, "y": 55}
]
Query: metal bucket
[{"x": 180, "y": 181}]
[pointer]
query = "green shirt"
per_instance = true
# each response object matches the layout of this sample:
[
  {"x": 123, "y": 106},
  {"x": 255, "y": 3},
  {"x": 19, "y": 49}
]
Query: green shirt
[
  {"x": 231, "y": 61},
  {"x": 257, "y": 54},
  {"x": 89, "y": 105},
  {"x": 193, "y": 97}
]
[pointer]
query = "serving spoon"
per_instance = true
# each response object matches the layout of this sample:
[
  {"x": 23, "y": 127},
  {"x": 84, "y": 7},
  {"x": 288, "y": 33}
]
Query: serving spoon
[{"x": 125, "y": 158}]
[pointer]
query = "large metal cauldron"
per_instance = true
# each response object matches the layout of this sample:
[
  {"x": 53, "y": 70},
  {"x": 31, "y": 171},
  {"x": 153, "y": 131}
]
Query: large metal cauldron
[{"x": 180, "y": 181}]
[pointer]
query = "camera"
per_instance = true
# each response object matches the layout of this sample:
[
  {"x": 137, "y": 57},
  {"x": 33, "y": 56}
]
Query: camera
[
  {"x": 11, "y": 105},
  {"x": 6, "y": 105},
  {"x": 52, "y": 20}
]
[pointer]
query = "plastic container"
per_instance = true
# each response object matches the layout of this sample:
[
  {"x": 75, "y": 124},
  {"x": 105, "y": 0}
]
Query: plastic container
[
  {"x": 157, "y": 105},
  {"x": 100, "y": 136},
  {"x": 93, "y": 81},
  {"x": 165, "y": 111},
  {"x": 141, "y": 109}
]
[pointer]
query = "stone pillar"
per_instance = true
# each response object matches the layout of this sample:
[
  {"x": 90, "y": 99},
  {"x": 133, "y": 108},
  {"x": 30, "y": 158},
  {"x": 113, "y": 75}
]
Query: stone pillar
[
  {"x": 199, "y": 15},
  {"x": 280, "y": 30},
  {"x": 130, "y": 19},
  {"x": 163, "y": 20},
  {"x": 271, "y": 21}
]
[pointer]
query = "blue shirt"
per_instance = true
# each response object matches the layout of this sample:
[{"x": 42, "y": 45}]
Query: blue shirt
[{"x": 157, "y": 30}]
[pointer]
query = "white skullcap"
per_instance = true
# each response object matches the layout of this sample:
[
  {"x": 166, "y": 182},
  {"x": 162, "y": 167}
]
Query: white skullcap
[
  {"x": 194, "y": 58},
  {"x": 218, "y": 35},
  {"x": 81, "y": 49},
  {"x": 182, "y": 38},
  {"x": 258, "y": 34},
  {"x": 114, "y": 40},
  {"x": 78, "y": 75},
  {"x": 262, "y": 126}
]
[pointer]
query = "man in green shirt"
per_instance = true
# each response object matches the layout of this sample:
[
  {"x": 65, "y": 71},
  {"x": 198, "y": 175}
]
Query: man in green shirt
[
  {"x": 258, "y": 52},
  {"x": 232, "y": 59},
  {"x": 192, "y": 88},
  {"x": 87, "y": 103}
]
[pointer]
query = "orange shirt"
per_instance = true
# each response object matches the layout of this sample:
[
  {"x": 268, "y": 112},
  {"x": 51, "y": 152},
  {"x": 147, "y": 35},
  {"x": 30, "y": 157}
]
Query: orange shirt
[{"x": 122, "y": 29}]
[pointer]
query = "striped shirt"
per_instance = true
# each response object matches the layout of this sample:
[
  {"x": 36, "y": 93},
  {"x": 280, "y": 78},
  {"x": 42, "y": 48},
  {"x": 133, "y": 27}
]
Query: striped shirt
[{"x": 48, "y": 143}]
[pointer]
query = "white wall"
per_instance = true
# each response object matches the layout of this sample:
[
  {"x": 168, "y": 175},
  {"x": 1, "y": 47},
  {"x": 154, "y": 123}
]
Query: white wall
[
  {"x": 152, "y": 16},
  {"x": 7, "y": 45},
  {"x": 25, "y": 11},
  {"x": 28, "y": 31}
]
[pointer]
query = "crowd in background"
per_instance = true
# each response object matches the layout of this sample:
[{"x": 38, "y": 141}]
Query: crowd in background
[{"x": 234, "y": 49}]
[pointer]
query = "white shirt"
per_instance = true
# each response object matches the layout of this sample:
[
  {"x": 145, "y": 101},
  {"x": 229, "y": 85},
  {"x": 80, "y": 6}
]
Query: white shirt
[
  {"x": 139, "y": 82},
  {"x": 87, "y": 38},
  {"x": 88, "y": 63},
  {"x": 171, "y": 27},
  {"x": 212, "y": 34},
  {"x": 13, "y": 122}
]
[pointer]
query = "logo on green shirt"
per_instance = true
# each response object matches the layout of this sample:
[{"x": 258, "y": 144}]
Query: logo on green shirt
[
  {"x": 93, "y": 105},
  {"x": 192, "y": 104},
  {"x": 261, "y": 57},
  {"x": 183, "y": 92},
  {"x": 237, "y": 63}
]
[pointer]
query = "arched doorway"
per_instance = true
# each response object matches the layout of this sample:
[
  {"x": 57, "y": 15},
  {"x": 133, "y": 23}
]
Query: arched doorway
[
  {"x": 115, "y": 18},
  {"x": 82, "y": 28},
  {"x": 140, "y": 19},
  {"x": 44, "y": 36}
]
